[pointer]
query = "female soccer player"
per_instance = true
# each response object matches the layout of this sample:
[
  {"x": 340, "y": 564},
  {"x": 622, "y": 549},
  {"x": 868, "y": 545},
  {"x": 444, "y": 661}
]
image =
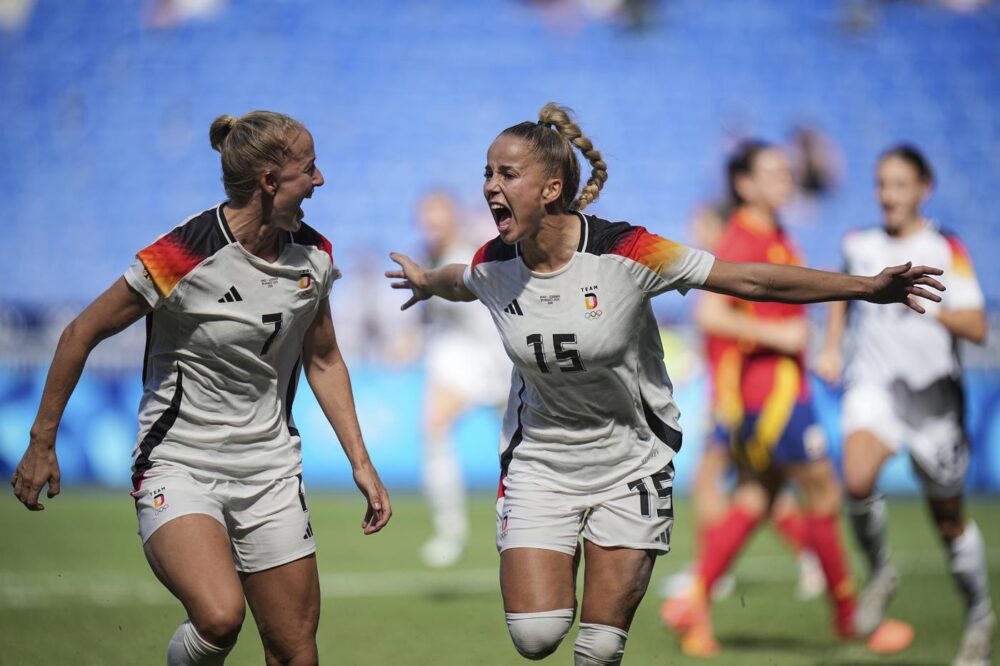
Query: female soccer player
[
  {"x": 466, "y": 367},
  {"x": 899, "y": 395},
  {"x": 591, "y": 427},
  {"x": 236, "y": 302}
]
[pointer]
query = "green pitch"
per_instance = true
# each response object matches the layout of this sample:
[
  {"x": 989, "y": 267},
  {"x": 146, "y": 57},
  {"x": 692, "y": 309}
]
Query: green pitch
[{"x": 75, "y": 589}]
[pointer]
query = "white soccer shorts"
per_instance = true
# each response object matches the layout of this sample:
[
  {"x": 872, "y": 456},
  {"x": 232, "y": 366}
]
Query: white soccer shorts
[
  {"x": 267, "y": 521},
  {"x": 927, "y": 422},
  {"x": 637, "y": 514}
]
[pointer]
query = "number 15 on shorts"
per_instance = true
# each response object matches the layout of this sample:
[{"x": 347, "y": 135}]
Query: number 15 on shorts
[{"x": 662, "y": 485}]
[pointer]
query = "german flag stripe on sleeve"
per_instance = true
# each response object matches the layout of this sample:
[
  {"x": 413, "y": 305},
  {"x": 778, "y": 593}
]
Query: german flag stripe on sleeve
[
  {"x": 168, "y": 260},
  {"x": 961, "y": 262},
  {"x": 655, "y": 252}
]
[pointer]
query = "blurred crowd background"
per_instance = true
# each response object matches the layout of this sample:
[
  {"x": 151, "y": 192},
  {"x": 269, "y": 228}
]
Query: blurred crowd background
[{"x": 106, "y": 105}]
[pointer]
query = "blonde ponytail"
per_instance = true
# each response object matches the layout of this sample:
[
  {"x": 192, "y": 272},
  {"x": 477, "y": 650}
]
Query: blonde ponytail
[{"x": 559, "y": 118}]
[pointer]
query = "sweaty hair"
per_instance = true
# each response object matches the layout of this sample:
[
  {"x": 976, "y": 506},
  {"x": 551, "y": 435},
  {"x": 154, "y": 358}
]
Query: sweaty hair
[
  {"x": 912, "y": 156},
  {"x": 741, "y": 163},
  {"x": 552, "y": 139},
  {"x": 248, "y": 145}
]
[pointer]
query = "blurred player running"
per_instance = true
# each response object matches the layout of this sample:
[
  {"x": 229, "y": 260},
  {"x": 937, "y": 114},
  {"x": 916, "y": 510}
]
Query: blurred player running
[
  {"x": 709, "y": 495},
  {"x": 898, "y": 394},
  {"x": 466, "y": 367}
]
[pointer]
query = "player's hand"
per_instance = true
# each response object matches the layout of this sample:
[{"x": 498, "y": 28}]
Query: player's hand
[
  {"x": 413, "y": 278},
  {"x": 901, "y": 284},
  {"x": 379, "y": 510},
  {"x": 38, "y": 467},
  {"x": 829, "y": 365}
]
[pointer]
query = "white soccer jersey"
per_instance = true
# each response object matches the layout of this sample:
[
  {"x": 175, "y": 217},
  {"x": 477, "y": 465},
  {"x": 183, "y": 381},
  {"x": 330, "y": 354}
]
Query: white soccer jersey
[
  {"x": 590, "y": 405},
  {"x": 463, "y": 351},
  {"x": 448, "y": 318},
  {"x": 223, "y": 348},
  {"x": 887, "y": 343}
]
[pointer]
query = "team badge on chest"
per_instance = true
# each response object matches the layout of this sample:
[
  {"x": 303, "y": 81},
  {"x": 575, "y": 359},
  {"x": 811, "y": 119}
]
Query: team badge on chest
[{"x": 591, "y": 311}]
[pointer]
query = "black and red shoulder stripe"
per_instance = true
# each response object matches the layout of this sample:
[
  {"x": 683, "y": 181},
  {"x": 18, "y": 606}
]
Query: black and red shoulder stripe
[
  {"x": 306, "y": 235},
  {"x": 495, "y": 250},
  {"x": 177, "y": 253}
]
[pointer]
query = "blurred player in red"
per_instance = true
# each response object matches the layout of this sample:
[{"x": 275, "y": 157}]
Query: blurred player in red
[
  {"x": 710, "y": 496},
  {"x": 898, "y": 396},
  {"x": 777, "y": 438}
]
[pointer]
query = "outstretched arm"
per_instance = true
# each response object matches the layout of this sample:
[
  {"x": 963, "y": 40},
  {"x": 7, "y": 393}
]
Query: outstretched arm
[
  {"x": 445, "y": 282},
  {"x": 794, "y": 284},
  {"x": 114, "y": 310},
  {"x": 328, "y": 377}
]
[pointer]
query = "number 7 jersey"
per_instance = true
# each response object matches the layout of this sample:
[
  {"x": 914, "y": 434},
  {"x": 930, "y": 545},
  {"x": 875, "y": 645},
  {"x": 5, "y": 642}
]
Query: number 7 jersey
[
  {"x": 590, "y": 403},
  {"x": 223, "y": 348}
]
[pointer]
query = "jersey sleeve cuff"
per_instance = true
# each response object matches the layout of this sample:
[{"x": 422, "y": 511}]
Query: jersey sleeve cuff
[
  {"x": 136, "y": 278},
  {"x": 467, "y": 279}
]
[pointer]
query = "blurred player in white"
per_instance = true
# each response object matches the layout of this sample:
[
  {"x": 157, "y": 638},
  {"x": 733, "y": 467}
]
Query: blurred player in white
[
  {"x": 903, "y": 389},
  {"x": 466, "y": 368},
  {"x": 236, "y": 305},
  {"x": 591, "y": 427}
]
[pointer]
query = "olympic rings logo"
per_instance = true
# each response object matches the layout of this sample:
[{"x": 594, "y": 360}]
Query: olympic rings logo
[{"x": 593, "y": 314}]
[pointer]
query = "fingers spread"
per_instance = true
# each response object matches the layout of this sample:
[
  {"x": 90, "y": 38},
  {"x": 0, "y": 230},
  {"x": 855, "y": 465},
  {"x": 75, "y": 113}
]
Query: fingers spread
[
  {"x": 898, "y": 270},
  {"x": 930, "y": 282},
  {"x": 914, "y": 305},
  {"x": 927, "y": 270},
  {"x": 923, "y": 293}
]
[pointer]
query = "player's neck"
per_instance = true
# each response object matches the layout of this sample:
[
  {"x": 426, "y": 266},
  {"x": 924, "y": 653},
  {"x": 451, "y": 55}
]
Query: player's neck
[
  {"x": 908, "y": 228},
  {"x": 554, "y": 245},
  {"x": 250, "y": 231},
  {"x": 757, "y": 218}
]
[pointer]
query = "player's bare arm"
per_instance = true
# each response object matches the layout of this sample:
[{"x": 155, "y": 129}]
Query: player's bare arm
[
  {"x": 114, "y": 310},
  {"x": 795, "y": 284},
  {"x": 968, "y": 323},
  {"x": 716, "y": 315},
  {"x": 830, "y": 362},
  {"x": 445, "y": 282},
  {"x": 331, "y": 383}
]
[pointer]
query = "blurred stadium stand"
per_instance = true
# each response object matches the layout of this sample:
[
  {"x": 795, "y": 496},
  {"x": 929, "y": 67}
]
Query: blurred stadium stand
[{"x": 106, "y": 106}]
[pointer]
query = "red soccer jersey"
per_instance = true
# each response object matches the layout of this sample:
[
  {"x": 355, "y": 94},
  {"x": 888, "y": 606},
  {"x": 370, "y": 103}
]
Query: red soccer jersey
[
  {"x": 767, "y": 376},
  {"x": 725, "y": 362}
]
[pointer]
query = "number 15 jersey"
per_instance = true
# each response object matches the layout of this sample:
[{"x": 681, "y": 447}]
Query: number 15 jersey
[
  {"x": 590, "y": 403},
  {"x": 224, "y": 347}
]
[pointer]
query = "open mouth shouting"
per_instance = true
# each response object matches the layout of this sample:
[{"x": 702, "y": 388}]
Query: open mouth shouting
[{"x": 502, "y": 216}]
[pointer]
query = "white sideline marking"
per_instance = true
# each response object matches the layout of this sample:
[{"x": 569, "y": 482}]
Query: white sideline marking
[{"x": 39, "y": 590}]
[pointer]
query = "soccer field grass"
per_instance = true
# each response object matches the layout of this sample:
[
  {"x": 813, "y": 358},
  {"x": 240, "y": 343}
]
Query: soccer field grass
[{"x": 75, "y": 589}]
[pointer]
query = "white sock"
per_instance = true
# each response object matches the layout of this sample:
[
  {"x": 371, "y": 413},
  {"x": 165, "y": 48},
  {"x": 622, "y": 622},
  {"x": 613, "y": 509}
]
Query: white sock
[
  {"x": 967, "y": 563},
  {"x": 869, "y": 518},
  {"x": 599, "y": 645},
  {"x": 445, "y": 490},
  {"x": 188, "y": 648}
]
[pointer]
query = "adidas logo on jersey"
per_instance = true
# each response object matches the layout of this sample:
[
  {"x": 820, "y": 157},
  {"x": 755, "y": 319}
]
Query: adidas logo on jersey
[
  {"x": 231, "y": 296},
  {"x": 514, "y": 308}
]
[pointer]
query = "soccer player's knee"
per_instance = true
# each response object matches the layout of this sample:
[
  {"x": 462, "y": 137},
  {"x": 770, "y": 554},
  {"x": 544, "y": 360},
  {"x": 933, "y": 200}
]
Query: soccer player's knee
[
  {"x": 599, "y": 645},
  {"x": 219, "y": 625},
  {"x": 537, "y": 635}
]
